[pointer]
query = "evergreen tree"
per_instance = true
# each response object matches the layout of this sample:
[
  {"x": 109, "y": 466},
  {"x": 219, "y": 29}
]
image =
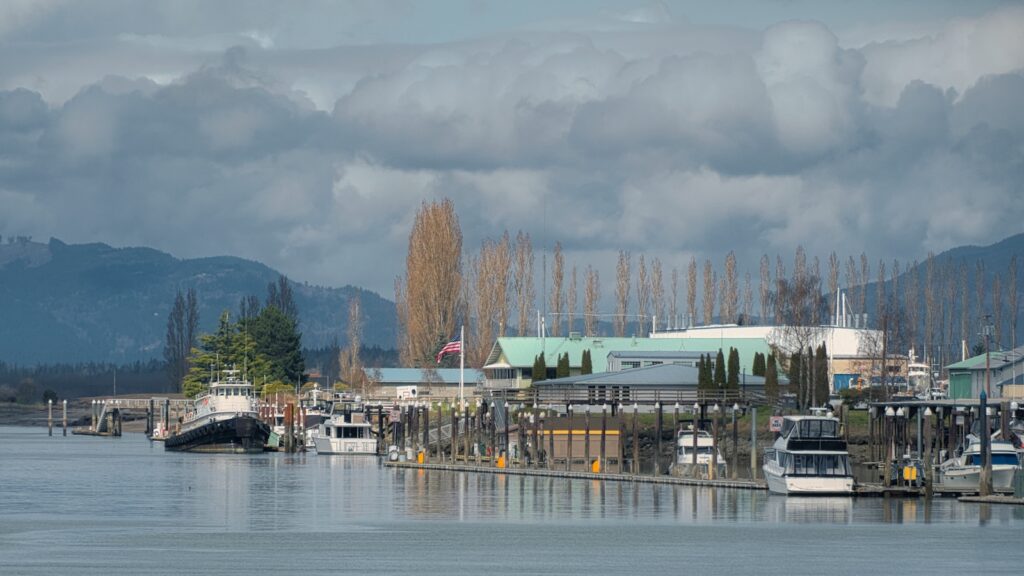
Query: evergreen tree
[
  {"x": 540, "y": 368},
  {"x": 795, "y": 373},
  {"x": 733, "y": 378},
  {"x": 821, "y": 387},
  {"x": 719, "y": 382},
  {"x": 587, "y": 364},
  {"x": 226, "y": 348},
  {"x": 771, "y": 380},
  {"x": 278, "y": 340},
  {"x": 702, "y": 374},
  {"x": 562, "y": 368},
  {"x": 758, "y": 367}
]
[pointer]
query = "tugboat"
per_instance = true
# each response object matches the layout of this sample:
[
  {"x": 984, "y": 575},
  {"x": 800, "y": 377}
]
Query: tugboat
[{"x": 223, "y": 419}]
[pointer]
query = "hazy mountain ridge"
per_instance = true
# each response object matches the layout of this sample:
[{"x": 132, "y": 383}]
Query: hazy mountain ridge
[{"x": 91, "y": 302}]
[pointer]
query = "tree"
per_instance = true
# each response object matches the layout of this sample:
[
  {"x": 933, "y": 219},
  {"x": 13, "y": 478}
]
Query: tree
[
  {"x": 710, "y": 281},
  {"x": 730, "y": 290},
  {"x": 771, "y": 379},
  {"x": 350, "y": 365},
  {"x": 570, "y": 301},
  {"x": 704, "y": 380},
  {"x": 562, "y": 368},
  {"x": 657, "y": 294},
  {"x": 621, "y": 293},
  {"x": 522, "y": 281},
  {"x": 748, "y": 301},
  {"x": 821, "y": 387},
  {"x": 540, "y": 368},
  {"x": 720, "y": 370},
  {"x": 587, "y": 363},
  {"x": 643, "y": 296},
  {"x": 765, "y": 289},
  {"x": 280, "y": 296},
  {"x": 280, "y": 343},
  {"x": 428, "y": 299},
  {"x": 26, "y": 393},
  {"x": 49, "y": 396},
  {"x": 557, "y": 297},
  {"x": 691, "y": 291},
  {"x": 591, "y": 295},
  {"x": 795, "y": 374},
  {"x": 732, "y": 381},
  {"x": 758, "y": 366},
  {"x": 182, "y": 329},
  {"x": 215, "y": 352},
  {"x": 490, "y": 280},
  {"x": 1014, "y": 300}
]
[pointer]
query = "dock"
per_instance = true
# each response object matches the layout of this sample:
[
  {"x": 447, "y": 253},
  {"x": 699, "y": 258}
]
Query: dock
[{"x": 995, "y": 499}]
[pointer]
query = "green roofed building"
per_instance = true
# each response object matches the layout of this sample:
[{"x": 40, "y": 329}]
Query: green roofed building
[
  {"x": 510, "y": 363},
  {"x": 1006, "y": 375}
]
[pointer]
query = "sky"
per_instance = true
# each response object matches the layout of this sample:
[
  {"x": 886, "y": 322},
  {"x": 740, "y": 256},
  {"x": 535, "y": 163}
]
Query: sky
[{"x": 307, "y": 134}]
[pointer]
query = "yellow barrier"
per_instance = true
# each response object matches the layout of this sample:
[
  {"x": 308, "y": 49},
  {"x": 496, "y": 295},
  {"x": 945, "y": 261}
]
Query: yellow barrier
[{"x": 595, "y": 466}]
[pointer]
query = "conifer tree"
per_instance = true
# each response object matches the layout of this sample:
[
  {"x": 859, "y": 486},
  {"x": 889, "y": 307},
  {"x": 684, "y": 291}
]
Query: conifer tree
[
  {"x": 562, "y": 368},
  {"x": 795, "y": 373},
  {"x": 771, "y": 380},
  {"x": 586, "y": 364},
  {"x": 540, "y": 368},
  {"x": 720, "y": 370},
  {"x": 733, "y": 378}
]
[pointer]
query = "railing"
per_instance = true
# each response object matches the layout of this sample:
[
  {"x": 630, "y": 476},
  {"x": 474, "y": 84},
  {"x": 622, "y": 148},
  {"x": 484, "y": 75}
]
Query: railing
[{"x": 684, "y": 398}]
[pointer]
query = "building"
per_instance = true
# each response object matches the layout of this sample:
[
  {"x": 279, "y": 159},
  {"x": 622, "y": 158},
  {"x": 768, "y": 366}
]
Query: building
[
  {"x": 1006, "y": 375},
  {"x": 510, "y": 363},
  {"x": 430, "y": 384},
  {"x": 553, "y": 437},
  {"x": 671, "y": 383}
]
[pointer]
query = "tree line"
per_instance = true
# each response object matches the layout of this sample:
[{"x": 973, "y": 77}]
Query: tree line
[{"x": 930, "y": 306}]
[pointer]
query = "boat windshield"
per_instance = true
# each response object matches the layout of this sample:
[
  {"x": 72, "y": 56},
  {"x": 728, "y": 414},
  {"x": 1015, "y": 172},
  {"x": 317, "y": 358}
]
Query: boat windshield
[
  {"x": 818, "y": 429},
  {"x": 816, "y": 464},
  {"x": 1010, "y": 459}
]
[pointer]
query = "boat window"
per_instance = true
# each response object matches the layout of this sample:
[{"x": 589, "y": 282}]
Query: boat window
[
  {"x": 1010, "y": 459},
  {"x": 350, "y": 432},
  {"x": 787, "y": 426}
]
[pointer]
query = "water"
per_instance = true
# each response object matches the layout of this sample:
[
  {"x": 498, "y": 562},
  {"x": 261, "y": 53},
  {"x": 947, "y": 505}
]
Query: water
[{"x": 88, "y": 505}]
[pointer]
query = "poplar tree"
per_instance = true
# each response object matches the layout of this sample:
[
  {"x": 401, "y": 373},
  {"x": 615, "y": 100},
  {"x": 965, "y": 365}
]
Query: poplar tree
[
  {"x": 771, "y": 380},
  {"x": 540, "y": 368},
  {"x": 587, "y": 363},
  {"x": 733, "y": 378},
  {"x": 562, "y": 368},
  {"x": 719, "y": 381}
]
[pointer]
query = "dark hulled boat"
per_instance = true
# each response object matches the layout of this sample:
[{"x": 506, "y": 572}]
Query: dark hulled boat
[{"x": 224, "y": 419}]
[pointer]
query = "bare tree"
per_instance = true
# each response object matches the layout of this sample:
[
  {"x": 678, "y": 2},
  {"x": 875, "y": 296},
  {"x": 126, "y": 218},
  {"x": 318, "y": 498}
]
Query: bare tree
[
  {"x": 591, "y": 295},
  {"x": 795, "y": 303},
  {"x": 622, "y": 293},
  {"x": 930, "y": 307},
  {"x": 979, "y": 283},
  {"x": 833, "y": 283},
  {"x": 730, "y": 303},
  {"x": 965, "y": 305},
  {"x": 570, "y": 300},
  {"x": 557, "y": 297},
  {"x": 1014, "y": 300},
  {"x": 657, "y": 293},
  {"x": 748, "y": 299},
  {"x": 489, "y": 300},
  {"x": 880, "y": 290},
  {"x": 643, "y": 296},
  {"x": 432, "y": 293},
  {"x": 816, "y": 275},
  {"x": 349, "y": 362},
  {"x": 709, "y": 292},
  {"x": 851, "y": 281},
  {"x": 997, "y": 310},
  {"x": 765, "y": 289},
  {"x": 674, "y": 309},
  {"x": 911, "y": 302},
  {"x": 182, "y": 331},
  {"x": 894, "y": 289},
  {"x": 691, "y": 292},
  {"x": 865, "y": 275},
  {"x": 780, "y": 281},
  {"x": 949, "y": 305},
  {"x": 522, "y": 282}
]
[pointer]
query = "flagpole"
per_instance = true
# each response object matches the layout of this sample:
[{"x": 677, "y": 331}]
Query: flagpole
[{"x": 462, "y": 361}]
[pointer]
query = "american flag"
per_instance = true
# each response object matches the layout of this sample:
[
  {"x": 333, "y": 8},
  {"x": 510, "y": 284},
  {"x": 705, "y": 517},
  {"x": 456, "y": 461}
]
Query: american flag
[{"x": 452, "y": 347}]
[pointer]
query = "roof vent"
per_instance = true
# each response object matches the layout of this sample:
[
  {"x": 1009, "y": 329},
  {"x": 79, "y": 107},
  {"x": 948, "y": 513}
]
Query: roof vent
[{"x": 575, "y": 336}]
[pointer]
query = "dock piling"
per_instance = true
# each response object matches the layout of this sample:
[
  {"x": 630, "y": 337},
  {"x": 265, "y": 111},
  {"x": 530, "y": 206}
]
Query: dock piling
[
  {"x": 49, "y": 416},
  {"x": 64, "y": 417},
  {"x": 753, "y": 442}
]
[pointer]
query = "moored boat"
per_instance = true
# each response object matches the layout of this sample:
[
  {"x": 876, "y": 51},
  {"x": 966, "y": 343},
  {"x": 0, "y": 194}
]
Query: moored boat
[
  {"x": 963, "y": 472},
  {"x": 809, "y": 457},
  {"x": 223, "y": 419},
  {"x": 346, "y": 431},
  {"x": 697, "y": 447}
]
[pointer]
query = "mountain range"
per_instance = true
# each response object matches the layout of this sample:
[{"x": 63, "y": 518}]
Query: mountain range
[{"x": 95, "y": 303}]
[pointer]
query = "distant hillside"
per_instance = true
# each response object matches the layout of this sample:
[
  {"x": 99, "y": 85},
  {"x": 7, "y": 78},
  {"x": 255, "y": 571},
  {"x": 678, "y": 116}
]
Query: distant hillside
[{"x": 91, "y": 302}]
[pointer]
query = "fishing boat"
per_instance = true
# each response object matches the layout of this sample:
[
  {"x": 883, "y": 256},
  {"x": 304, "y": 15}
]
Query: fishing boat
[
  {"x": 809, "y": 457},
  {"x": 963, "y": 472},
  {"x": 686, "y": 450},
  {"x": 345, "y": 431},
  {"x": 225, "y": 418}
]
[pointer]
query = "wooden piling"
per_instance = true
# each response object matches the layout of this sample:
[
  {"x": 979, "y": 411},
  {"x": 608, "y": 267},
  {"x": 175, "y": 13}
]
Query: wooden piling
[
  {"x": 64, "y": 417},
  {"x": 492, "y": 424},
  {"x": 568, "y": 455},
  {"x": 454, "y": 436},
  {"x": 985, "y": 480},
  {"x": 604, "y": 431},
  {"x": 753, "y": 442},
  {"x": 713, "y": 470},
  {"x": 49, "y": 416},
  {"x": 734, "y": 469},
  {"x": 636, "y": 442},
  {"x": 656, "y": 465}
]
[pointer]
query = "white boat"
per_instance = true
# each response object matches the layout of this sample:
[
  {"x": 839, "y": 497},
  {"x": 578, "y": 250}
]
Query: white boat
[
  {"x": 346, "y": 431},
  {"x": 223, "y": 419},
  {"x": 683, "y": 465},
  {"x": 963, "y": 472},
  {"x": 808, "y": 458}
]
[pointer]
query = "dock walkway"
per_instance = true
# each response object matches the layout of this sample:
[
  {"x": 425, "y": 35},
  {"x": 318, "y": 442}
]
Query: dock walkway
[{"x": 737, "y": 484}]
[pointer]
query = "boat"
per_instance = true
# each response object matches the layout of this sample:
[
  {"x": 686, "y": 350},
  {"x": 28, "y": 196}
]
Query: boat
[
  {"x": 683, "y": 464},
  {"x": 963, "y": 472},
  {"x": 809, "y": 457},
  {"x": 345, "y": 431},
  {"x": 225, "y": 418}
]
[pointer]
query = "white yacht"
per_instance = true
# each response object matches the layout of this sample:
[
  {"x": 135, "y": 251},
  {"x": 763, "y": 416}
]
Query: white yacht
[
  {"x": 225, "y": 418},
  {"x": 685, "y": 450},
  {"x": 346, "y": 431},
  {"x": 808, "y": 458},
  {"x": 963, "y": 472}
]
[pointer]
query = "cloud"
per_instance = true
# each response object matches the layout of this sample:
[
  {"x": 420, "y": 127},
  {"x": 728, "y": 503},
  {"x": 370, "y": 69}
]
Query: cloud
[{"x": 648, "y": 133}]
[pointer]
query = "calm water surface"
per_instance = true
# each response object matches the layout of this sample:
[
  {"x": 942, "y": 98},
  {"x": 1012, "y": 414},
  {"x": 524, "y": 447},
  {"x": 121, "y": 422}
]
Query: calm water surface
[{"x": 87, "y": 505}]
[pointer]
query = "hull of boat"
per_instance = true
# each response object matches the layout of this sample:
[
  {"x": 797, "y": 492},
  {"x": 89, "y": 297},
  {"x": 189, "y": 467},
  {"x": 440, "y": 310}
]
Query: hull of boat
[
  {"x": 241, "y": 434},
  {"x": 808, "y": 485},
  {"x": 968, "y": 478},
  {"x": 354, "y": 446}
]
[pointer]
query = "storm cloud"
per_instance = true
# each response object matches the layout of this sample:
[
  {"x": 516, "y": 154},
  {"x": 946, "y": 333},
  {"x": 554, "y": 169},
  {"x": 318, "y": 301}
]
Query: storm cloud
[{"x": 274, "y": 137}]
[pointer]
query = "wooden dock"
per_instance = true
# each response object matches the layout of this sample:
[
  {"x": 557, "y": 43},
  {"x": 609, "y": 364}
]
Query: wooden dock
[
  {"x": 994, "y": 499},
  {"x": 673, "y": 480}
]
